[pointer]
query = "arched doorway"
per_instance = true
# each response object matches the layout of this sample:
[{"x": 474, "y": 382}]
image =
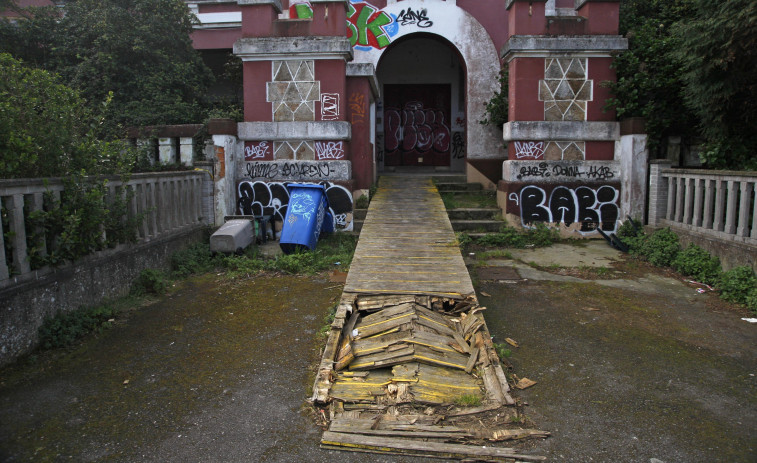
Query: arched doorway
[{"x": 421, "y": 117}]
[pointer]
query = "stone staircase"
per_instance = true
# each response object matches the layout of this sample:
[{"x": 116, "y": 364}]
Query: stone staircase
[{"x": 469, "y": 213}]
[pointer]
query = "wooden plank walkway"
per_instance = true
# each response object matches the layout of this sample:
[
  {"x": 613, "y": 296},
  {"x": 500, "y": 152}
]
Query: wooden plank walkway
[{"x": 407, "y": 245}]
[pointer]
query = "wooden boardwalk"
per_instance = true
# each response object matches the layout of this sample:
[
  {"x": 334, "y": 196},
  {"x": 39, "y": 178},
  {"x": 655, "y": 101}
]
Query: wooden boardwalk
[
  {"x": 409, "y": 366},
  {"x": 407, "y": 245}
]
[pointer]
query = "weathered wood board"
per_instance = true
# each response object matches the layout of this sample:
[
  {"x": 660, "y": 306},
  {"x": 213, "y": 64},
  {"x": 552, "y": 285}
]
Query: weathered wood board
[{"x": 409, "y": 366}]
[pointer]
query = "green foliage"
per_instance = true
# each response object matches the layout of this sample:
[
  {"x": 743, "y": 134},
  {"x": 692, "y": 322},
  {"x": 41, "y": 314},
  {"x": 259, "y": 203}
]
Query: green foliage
[
  {"x": 468, "y": 400},
  {"x": 540, "y": 235},
  {"x": 328, "y": 319},
  {"x": 63, "y": 329},
  {"x": 697, "y": 263},
  {"x": 192, "y": 260},
  {"x": 739, "y": 285},
  {"x": 495, "y": 113},
  {"x": 362, "y": 202},
  {"x": 463, "y": 239},
  {"x": 150, "y": 281},
  {"x": 502, "y": 350},
  {"x": 717, "y": 50},
  {"x": 660, "y": 248},
  {"x": 333, "y": 251},
  {"x": 138, "y": 50},
  {"x": 43, "y": 124},
  {"x": 648, "y": 81}
]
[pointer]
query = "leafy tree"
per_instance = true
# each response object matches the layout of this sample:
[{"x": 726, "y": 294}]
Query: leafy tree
[
  {"x": 138, "y": 50},
  {"x": 649, "y": 82},
  {"x": 718, "y": 53}
]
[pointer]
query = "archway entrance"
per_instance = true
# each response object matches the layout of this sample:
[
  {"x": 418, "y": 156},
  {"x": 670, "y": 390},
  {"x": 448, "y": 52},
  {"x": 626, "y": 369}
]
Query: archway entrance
[{"x": 421, "y": 118}]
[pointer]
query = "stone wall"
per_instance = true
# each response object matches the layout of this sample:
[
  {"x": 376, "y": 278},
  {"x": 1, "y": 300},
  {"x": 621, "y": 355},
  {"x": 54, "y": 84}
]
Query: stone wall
[{"x": 107, "y": 274}]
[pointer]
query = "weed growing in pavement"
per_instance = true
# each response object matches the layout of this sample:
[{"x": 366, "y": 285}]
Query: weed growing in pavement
[
  {"x": 362, "y": 202},
  {"x": 502, "y": 350},
  {"x": 63, "y": 329},
  {"x": 538, "y": 236},
  {"x": 150, "y": 281},
  {"x": 328, "y": 319},
  {"x": 468, "y": 400}
]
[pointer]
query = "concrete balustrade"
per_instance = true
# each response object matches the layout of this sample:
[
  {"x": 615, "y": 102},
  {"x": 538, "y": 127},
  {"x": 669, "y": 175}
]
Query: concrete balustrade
[
  {"x": 166, "y": 202},
  {"x": 716, "y": 208}
]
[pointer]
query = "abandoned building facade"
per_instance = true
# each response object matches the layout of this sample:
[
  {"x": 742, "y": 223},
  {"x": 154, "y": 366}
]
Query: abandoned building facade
[{"x": 338, "y": 91}]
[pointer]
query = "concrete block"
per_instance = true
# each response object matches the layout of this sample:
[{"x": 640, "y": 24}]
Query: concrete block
[{"x": 233, "y": 236}]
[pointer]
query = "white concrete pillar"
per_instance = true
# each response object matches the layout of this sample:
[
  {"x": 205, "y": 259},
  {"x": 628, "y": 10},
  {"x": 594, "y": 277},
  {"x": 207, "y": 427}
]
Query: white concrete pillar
[
  {"x": 633, "y": 167},
  {"x": 226, "y": 195},
  {"x": 147, "y": 145},
  {"x": 167, "y": 150},
  {"x": 186, "y": 150}
]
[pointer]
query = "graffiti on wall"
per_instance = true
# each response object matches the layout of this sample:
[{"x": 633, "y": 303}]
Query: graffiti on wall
[
  {"x": 329, "y": 106},
  {"x": 419, "y": 18},
  {"x": 529, "y": 149},
  {"x": 565, "y": 170},
  {"x": 416, "y": 128},
  {"x": 358, "y": 107},
  {"x": 379, "y": 147},
  {"x": 258, "y": 150},
  {"x": 300, "y": 9},
  {"x": 327, "y": 150},
  {"x": 458, "y": 145},
  {"x": 272, "y": 198},
  {"x": 368, "y": 27},
  {"x": 290, "y": 170},
  {"x": 589, "y": 207}
]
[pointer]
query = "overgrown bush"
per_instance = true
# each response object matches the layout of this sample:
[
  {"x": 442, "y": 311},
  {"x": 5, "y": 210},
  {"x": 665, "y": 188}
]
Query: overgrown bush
[
  {"x": 194, "y": 259},
  {"x": 698, "y": 264},
  {"x": 739, "y": 285},
  {"x": 63, "y": 329},
  {"x": 660, "y": 248},
  {"x": 150, "y": 281}
]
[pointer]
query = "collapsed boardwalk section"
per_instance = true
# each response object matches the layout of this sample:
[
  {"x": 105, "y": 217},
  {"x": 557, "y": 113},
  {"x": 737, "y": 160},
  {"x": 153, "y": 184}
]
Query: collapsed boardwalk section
[{"x": 409, "y": 366}]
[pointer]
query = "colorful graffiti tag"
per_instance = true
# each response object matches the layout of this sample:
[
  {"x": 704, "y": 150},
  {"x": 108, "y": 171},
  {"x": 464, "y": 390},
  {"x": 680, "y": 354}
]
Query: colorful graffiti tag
[
  {"x": 589, "y": 207},
  {"x": 368, "y": 27}
]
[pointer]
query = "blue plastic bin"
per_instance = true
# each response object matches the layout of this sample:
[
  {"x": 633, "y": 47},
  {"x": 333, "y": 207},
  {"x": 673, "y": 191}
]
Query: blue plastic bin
[{"x": 304, "y": 218}]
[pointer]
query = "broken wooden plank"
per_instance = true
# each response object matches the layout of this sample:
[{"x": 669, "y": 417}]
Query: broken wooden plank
[{"x": 382, "y": 444}]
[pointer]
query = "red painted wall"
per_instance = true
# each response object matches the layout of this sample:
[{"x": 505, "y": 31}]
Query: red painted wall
[
  {"x": 215, "y": 39},
  {"x": 492, "y": 14},
  {"x": 256, "y": 74},
  {"x": 526, "y": 18},
  {"x": 358, "y": 96},
  {"x": 600, "y": 71},
  {"x": 217, "y": 7},
  {"x": 332, "y": 74},
  {"x": 523, "y": 95},
  {"x": 257, "y": 20},
  {"x": 603, "y": 17},
  {"x": 600, "y": 150}
]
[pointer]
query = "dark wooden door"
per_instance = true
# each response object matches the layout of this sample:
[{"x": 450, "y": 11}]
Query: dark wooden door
[{"x": 416, "y": 125}]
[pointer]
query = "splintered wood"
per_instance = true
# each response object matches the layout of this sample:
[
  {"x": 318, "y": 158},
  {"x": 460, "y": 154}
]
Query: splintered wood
[{"x": 416, "y": 375}]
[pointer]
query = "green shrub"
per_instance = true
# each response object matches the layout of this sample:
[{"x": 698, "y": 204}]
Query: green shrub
[
  {"x": 540, "y": 235},
  {"x": 697, "y": 263},
  {"x": 194, "y": 259},
  {"x": 660, "y": 248},
  {"x": 63, "y": 329},
  {"x": 362, "y": 202},
  {"x": 739, "y": 285},
  {"x": 150, "y": 281}
]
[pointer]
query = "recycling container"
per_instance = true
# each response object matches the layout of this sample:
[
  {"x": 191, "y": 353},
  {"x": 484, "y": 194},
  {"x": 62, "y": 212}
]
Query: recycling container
[{"x": 304, "y": 218}]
